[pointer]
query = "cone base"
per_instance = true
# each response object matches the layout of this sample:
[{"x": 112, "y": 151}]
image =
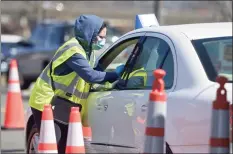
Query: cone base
[
  {"x": 13, "y": 125},
  {"x": 11, "y": 128},
  {"x": 75, "y": 149}
]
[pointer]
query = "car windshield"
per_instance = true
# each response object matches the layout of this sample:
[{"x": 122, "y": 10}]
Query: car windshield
[
  {"x": 216, "y": 56},
  {"x": 46, "y": 34},
  {"x": 5, "y": 46}
]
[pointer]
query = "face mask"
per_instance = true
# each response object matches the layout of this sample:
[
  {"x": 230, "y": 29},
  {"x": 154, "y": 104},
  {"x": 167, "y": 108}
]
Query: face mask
[{"x": 99, "y": 44}]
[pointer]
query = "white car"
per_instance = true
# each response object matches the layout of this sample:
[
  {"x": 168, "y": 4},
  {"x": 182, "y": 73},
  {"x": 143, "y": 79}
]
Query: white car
[
  {"x": 9, "y": 38},
  {"x": 192, "y": 55}
]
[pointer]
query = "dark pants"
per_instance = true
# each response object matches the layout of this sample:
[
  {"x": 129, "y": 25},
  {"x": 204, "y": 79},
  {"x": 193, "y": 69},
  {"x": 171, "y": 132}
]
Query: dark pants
[{"x": 61, "y": 130}]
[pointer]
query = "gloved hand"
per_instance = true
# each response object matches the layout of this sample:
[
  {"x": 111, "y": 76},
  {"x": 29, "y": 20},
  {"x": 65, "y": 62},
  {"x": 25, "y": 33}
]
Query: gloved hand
[{"x": 120, "y": 69}]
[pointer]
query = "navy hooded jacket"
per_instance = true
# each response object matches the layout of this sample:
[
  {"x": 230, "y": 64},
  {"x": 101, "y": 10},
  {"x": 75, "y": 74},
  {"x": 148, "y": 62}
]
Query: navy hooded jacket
[{"x": 86, "y": 29}]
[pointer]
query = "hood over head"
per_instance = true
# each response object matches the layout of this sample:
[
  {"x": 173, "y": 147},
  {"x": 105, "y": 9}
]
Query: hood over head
[{"x": 86, "y": 30}]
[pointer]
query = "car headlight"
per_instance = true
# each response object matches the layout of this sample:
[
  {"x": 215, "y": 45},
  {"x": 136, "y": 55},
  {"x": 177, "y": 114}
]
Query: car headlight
[
  {"x": 4, "y": 66},
  {"x": 13, "y": 51}
]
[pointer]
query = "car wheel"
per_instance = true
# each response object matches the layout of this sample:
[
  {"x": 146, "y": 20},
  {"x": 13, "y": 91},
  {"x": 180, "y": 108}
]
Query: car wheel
[
  {"x": 24, "y": 82},
  {"x": 33, "y": 140},
  {"x": 7, "y": 76}
]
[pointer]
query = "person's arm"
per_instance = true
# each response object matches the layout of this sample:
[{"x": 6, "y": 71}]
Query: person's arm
[{"x": 81, "y": 66}]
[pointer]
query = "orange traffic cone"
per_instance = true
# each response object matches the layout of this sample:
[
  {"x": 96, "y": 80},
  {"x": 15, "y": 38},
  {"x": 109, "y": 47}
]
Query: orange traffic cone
[
  {"x": 47, "y": 141},
  {"x": 14, "y": 115},
  {"x": 156, "y": 116},
  {"x": 75, "y": 143},
  {"x": 220, "y": 130}
]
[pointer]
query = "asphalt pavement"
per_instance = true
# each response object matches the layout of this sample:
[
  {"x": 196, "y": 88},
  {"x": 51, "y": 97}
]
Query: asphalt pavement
[{"x": 12, "y": 141}]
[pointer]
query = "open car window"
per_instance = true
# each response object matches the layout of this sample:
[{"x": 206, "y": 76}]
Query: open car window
[
  {"x": 118, "y": 54},
  {"x": 155, "y": 53}
]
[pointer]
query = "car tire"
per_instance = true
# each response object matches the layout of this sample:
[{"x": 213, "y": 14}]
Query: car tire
[
  {"x": 7, "y": 76},
  {"x": 32, "y": 132},
  {"x": 25, "y": 84}
]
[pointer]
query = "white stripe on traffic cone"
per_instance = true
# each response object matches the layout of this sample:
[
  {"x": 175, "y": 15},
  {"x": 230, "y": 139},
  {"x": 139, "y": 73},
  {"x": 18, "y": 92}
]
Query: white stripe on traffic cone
[
  {"x": 13, "y": 74},
  {"x": 13, "y": 81},
  {"x": 14, "y": 87}
]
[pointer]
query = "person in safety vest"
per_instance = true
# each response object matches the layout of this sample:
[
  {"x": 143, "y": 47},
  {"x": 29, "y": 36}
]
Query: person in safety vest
[
  {"x": 72, "y": 67},
  {"x": 138, "y": 77}
]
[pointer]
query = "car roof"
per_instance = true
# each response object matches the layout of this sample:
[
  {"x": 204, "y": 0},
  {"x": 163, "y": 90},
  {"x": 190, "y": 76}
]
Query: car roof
[
  {"x": 195, "y": 31},
  {"x": 8, "y": 38}
]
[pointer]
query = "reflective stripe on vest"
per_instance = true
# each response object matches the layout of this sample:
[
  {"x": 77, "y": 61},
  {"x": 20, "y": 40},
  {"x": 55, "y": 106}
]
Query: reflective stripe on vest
[
  {"x": 70, "y": 89},
  {"x": 138, "y": 73}
]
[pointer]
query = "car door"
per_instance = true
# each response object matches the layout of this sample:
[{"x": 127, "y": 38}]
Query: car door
[
  {"x": 162, "y": 56},
  {"x": 102, "y": 105},
  {"x": 129, "y": 128}
]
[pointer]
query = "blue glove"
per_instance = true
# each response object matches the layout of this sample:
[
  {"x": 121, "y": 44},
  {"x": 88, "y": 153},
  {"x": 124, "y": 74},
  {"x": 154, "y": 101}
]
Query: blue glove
[{"x": 120, "y": 69}]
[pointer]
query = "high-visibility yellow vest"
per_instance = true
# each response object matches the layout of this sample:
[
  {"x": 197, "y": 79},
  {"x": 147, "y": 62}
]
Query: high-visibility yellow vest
[
  {"x": 42, "y": 92},
  {"x": 138, "y": 73}
]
